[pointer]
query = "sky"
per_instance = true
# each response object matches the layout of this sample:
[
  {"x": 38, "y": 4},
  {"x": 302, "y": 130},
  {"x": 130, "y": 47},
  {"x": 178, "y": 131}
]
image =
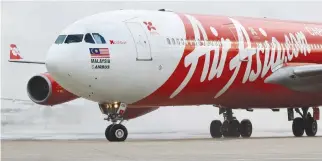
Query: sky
[{"x": 34, "y": 25}]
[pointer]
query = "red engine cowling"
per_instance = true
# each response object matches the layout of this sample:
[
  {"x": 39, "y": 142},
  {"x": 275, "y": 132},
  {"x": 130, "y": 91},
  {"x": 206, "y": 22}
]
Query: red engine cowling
[
  {"x": 132, "y": 113},
  {"x": 43, "y": 89}
]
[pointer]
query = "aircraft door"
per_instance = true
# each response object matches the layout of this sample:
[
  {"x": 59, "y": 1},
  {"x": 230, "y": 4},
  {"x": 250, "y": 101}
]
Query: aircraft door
[
  {"x": 141, "y": 41},
  {"x": 244, "y": 56}
]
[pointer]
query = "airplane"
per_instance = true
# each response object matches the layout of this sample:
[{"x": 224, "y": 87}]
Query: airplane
[{"x": 132, "y": 62}]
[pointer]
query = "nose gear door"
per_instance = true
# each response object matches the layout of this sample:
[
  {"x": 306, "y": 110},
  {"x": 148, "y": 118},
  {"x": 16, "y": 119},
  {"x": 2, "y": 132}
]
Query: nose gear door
[{"x": 141, "y": 41}]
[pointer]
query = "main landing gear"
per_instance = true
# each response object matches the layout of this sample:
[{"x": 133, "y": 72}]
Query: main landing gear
[
  {"x": 231, "y": 127},
  {"x": 115, "y": 132},
  {"x": 306, "y": 123}
]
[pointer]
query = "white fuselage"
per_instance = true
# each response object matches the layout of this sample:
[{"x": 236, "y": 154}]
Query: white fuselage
[{"x": 140, "y": 60}]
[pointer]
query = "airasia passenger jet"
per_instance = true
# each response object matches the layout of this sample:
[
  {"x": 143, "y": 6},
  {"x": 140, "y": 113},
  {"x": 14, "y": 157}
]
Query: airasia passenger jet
[{"x": 133, "y": 61}]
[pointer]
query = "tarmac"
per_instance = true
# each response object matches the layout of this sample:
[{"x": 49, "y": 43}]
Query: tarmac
[{"x": 207, "y": 149}]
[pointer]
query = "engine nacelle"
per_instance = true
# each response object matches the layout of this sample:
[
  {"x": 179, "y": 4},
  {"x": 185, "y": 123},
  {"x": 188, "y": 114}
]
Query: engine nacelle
[{"x": 44, "y": 90}]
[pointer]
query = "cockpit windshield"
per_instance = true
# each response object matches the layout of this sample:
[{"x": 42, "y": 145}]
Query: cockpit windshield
[
  {"x": 89, "y": 39},
  {"x": 99, "y": 38},
  {"x": 60, "y": 39},
  {"x": 93, "y": 38},
  {"x": 74, "y": 38}
]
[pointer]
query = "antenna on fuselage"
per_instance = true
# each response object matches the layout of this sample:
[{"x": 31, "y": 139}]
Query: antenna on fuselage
[{"x": 165, "y": 10}]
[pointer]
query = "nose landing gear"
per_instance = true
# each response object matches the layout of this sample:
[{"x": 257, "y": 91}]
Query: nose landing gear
[{"x": 115, "y": 132}]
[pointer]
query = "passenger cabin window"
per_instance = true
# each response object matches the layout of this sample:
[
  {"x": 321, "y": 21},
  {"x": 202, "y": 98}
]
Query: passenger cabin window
[
  {"x": 168, "y": 40},
  {"x": 74, "y": 38},
  {"x": 173, "y": 41},
  {"x": 60, "y": 39},
  {"x": 178, "y": 41},
  {"x": 89, "y": 39},
  {"x": 99, "y": 38}
]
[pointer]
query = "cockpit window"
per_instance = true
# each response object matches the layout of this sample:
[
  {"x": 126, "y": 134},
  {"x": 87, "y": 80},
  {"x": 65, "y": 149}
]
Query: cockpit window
[
  {"x": 99, "y": 38},
  {"x": 74, "y": 38},
  {"x": 60, "y": 39},
  {"x": 89, "y": 39}
]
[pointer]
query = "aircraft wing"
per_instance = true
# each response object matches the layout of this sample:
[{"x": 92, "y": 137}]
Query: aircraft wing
[
  {"x": 304, "y": 78},
  {"x": 15, "y": 56}
]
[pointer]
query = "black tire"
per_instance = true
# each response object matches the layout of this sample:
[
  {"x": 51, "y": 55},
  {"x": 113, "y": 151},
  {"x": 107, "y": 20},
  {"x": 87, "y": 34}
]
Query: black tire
[
  {"x": 230, "y": 128},
  {"x": 118, "y": 132},
  {"x": 215, "y": 129},
  {"x": 246, "y": 128},
  {"x": 298, "y": 126},
  {"x": 235, "y": 128},
  {"x": 107, "y": 132},
  {"x": 311, "y": 127},
  {"x": 225, "y": 128}
]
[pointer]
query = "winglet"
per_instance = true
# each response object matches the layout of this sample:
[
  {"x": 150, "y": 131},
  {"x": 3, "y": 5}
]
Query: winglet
[
  {"x": 14, "y": 52},
  {"x": 16, "y": 57}
]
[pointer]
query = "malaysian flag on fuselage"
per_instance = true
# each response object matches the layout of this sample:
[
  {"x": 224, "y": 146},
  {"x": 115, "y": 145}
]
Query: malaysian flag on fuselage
[{"x": 99, "y": 52}]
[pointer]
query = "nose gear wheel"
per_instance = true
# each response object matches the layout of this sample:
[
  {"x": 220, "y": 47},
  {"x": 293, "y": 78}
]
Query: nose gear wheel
[{"x": 115, "y": 132}]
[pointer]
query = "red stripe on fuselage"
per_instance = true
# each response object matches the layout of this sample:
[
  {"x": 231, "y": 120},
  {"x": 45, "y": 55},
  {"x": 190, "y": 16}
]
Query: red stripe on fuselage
[{"x": 251, "y": 93}]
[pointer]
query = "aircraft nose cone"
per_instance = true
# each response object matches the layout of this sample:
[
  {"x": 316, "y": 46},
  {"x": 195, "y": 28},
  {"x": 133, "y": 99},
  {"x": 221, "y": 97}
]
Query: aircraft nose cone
[
  {"x": 54, "y": 60},
  {"x": 58, "y": 61}
]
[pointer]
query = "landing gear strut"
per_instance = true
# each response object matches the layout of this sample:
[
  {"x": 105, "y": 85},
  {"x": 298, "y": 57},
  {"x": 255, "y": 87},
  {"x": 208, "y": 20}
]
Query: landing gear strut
[
  {"x": 115, "y": 131},
  {"x": 231, "y": 127},
  {"x": 306, "y": 123}
]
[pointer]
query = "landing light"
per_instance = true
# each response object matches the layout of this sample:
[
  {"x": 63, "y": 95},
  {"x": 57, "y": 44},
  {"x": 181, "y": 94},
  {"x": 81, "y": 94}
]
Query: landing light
[{"x": 116, "y": 105}]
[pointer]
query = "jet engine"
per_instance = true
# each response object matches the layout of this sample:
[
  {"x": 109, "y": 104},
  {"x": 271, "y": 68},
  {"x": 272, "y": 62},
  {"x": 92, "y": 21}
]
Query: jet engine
[{"x": 44, "y": 90}]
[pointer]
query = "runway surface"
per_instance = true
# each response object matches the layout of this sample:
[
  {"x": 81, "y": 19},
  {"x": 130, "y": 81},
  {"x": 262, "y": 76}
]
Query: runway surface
[
  {"x": 74, "y": 132},
  {"x": 253, "y": 149}
]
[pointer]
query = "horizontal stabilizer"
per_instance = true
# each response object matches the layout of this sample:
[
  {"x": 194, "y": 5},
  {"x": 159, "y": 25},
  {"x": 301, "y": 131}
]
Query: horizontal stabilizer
[
  {"x": 16, "y": 57},
  {"x": 24, "y": 61}
]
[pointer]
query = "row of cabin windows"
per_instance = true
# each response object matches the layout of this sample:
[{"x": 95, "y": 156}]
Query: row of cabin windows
[
  {"x": 177, "y": 41},
  {"x": 93, "y": 38}
]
